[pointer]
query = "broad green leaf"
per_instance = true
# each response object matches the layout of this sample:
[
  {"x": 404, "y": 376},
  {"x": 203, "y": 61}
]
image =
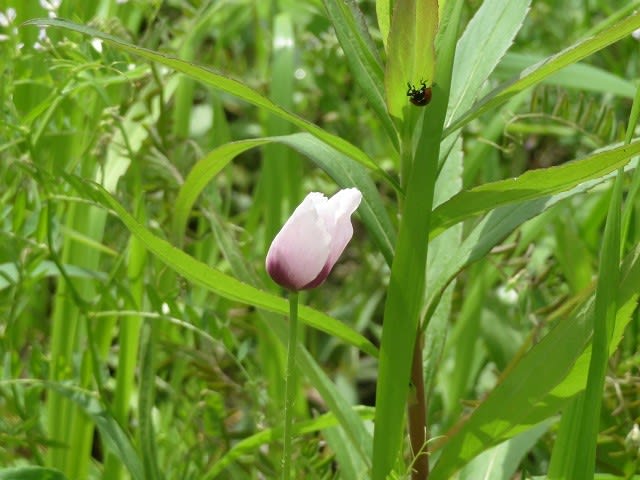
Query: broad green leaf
[
  {"x": 539, "y": 383},
  {"x": 221, "y": 82},
  {"x": 530, "y": 185},
  {"x": 441, "y": 251},
  {"x": 494, "y": 26},
  {"x": 411, "y": 55},
  {"x": 362, "y": 56},
  {"x": 341, "y": 168},
  {"x": 216, "y": 281},
  {"x": 407, "y": 283},
  {"x": 540, "y": 71}
]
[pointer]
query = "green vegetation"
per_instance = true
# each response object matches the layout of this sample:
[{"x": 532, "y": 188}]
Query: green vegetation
[{"x": 149, "y": 153}]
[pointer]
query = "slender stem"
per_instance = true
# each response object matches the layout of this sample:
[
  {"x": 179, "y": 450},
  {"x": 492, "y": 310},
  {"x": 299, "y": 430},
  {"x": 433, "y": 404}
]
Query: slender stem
[
  {"x": 290, "y": 384},
  {"x": 418, "y": 416}
]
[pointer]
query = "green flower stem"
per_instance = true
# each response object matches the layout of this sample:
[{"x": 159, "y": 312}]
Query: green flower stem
[{"x": 290, "y": 383}]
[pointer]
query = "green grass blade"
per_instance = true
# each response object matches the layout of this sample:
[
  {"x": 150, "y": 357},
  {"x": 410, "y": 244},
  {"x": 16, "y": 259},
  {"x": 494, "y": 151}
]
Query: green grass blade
[
  {"x": 584, "y": 419},
  {"x": 580, "y": 76},
  {"x": 146, "y": 398},
  {"x": 538, "y": 72},
  {"x": 634, "y": 189},
  {"x": 279, "y": 187}
]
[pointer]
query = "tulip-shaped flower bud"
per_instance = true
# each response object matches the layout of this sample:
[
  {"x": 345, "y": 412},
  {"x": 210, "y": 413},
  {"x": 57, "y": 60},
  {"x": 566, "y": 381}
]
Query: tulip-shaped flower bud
[{"x": 313, "y": 238}]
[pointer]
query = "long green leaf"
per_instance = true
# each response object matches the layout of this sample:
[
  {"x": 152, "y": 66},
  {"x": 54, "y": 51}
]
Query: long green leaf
[
  {"x": 216, "y": 281},
  {"x": 494, "y": 26},
  {"x": 529, "y": 186},
  {"x": 502, "y": 461},
  {"x": 493, "y": 228},
  {"x": 579, "y": 76},
  {"x": 538, "y": 72},
  {"x": 574, "y": 454}
]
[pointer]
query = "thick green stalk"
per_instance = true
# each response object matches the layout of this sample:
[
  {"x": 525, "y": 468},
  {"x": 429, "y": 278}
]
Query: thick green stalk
[
  {"x": 408, "y": 273},
  {"x": 290, "y": 382}
]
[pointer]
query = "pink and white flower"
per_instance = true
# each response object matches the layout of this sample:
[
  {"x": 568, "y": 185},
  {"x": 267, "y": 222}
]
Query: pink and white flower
[{"x": 309, "y": 244}]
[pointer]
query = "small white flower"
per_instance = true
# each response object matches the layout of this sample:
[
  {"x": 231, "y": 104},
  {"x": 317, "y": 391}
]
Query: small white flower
[
  {"x": 636, "y": 34},
  {"x": 50, "y": 5},
  {"x": 507, "y": 294},
  {"x": 7, "y": 18},
  {"x": 632, "y": 440},
  {"x": 42, "y": 40},
  {"x": 96, "y": 43}
]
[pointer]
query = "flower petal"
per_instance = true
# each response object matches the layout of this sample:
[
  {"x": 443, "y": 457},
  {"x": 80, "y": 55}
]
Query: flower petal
[
  {"x": 336, "y": 215},
  {"x": 341, "y": 205},
  {"x": 300, "y": 250}
]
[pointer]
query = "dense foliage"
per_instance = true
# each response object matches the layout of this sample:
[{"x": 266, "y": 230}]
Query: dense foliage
[{"x": 149, "y": 153}]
